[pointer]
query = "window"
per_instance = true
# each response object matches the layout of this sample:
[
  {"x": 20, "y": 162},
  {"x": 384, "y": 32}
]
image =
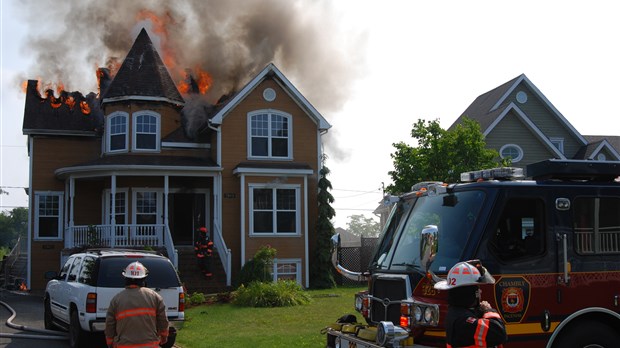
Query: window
[
  {"x": 117, "y": 132},
  {"x": 596, "y": 225},
  {"x": 274, "y": 211},
  {"x": 269, "y": 134},
  {"x": 511, "y": 151},
  {"x": 520, "y": 230},
  {"x": 287, "y": 269},
  {"x": 120, "y": 207},
  {"x": 558, "y": 143},
  {"x": 88, "y": 271},
  {"x": 146, "y": 131},
  {"x": 48, "y": 215},
  {"x": 75, "y": 268},
  {"x": 146, "y": 208}
]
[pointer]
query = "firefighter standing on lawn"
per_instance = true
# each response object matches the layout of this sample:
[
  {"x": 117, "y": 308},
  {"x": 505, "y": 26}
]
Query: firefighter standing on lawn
[
  {"x": 470, "y": 322},
  {"x": 203, "y": 248},
  {"x": 136, "y": 316}
]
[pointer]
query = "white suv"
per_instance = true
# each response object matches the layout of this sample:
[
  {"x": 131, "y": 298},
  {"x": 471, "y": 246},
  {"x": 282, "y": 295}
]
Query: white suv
[{"x": 77, "y": 298}]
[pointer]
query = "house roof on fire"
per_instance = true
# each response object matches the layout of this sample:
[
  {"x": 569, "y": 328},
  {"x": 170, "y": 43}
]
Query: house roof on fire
[
  {"x": 143, "y": 76},
  {"x": 270, "y": 71}
]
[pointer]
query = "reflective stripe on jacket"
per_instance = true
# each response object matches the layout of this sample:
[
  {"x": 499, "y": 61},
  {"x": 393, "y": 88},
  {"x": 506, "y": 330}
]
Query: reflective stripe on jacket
[
  {"x": 136, "y": 318},
  {"x": 466, "y": 328}
]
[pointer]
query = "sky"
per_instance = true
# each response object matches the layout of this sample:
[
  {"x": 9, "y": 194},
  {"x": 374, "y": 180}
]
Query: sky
[{"x": 371, "y": 69}]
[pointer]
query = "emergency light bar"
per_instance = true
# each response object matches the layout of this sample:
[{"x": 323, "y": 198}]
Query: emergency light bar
[{"x": 504, "y": 173}]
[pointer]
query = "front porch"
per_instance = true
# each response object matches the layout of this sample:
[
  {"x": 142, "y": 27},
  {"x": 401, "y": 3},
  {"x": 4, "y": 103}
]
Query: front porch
[{"x": 141, "y": 236}]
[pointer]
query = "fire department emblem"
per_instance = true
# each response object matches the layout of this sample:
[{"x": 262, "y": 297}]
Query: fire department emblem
[{"x": 512, "y": 295}]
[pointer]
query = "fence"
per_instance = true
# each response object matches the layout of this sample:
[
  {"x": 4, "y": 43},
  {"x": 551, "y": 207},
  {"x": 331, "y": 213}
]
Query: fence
[{"x": 356, "y": 259}]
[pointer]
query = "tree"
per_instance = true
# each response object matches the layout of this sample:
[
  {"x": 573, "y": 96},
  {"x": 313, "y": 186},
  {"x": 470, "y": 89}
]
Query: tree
[
  {"x": 361, "y": 225},
  {"x": 13, "y": 224},
  {"x": 440, "y": 155},
  {"x": 321, "y": 276}
]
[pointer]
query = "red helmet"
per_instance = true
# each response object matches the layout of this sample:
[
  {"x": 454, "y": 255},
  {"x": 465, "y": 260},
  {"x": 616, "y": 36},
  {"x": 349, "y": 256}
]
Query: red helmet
[{"x": 203, "y": 230}]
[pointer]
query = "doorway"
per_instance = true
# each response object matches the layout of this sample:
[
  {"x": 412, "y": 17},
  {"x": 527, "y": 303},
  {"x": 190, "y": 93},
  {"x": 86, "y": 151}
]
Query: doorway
[{"x": 188, "y": 212}]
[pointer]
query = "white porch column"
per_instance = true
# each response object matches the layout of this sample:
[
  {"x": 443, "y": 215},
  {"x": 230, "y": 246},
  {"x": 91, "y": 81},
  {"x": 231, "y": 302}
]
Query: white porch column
[
  {"x": 113, "y": 211},
  {"x": 242, "y": 209},
  {"x": 307, "y": 263},
  {"x": 69, "y": 242},
  {"x": 166, "y": 189}
]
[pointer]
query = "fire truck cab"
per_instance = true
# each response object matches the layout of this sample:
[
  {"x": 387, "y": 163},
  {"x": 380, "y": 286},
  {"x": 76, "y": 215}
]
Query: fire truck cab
[{"x": 552, "y": 244}]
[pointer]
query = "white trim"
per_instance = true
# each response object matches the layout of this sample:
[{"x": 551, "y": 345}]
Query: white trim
[
  {"x": 306, "y": 233},
  {"x": 159, "y": 204},
  {"x": 242, "y": 210},
  {"x": 529, "y": 123},
  {"x": 141, "y": 98},
  {"x": 298, "y": 267},
  {"x": 134, "y": 170},
  {"x": 604, "y": 144},
  {"x": 289, "y": 88},
  {"x": 274, "y": 187},
  {"x": 272, "y": 171},
  {"x": 185, "y": 145},
  {"x": 60, "y": 195},
  {"x": 515, "y": 146},
  {"x": 270, "y": 137},
  {"x": 134, "y": 131},
  {"x": 30, "y": 211},
  {"x": 108, "y": 132},
  {"x": 558, "y": 114},
  {"x": 107, "y": 212}
]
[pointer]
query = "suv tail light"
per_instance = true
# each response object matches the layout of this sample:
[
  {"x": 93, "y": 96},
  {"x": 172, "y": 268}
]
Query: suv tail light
[
  {"x": 91, "y": 302},
  {"x": 181, "y": 302}
]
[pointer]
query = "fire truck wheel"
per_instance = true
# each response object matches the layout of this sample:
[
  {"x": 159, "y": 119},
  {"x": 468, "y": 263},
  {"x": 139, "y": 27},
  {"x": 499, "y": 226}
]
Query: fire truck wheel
[{"x": 588, "y": 334}]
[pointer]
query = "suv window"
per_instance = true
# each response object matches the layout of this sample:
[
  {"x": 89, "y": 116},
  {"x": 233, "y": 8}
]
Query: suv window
[
  {"x": 65, "y": 269},
  {"x": 75, "y": 268},
  {"x": 161, "y": 272},
  {"x": 88, "y": 270}
]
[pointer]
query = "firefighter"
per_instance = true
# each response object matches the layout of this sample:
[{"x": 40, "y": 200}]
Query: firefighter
[
  {"x": 470, "y": 322},
  {"x": 203, "y": 248},
  {"x": 136, "y": 316}
]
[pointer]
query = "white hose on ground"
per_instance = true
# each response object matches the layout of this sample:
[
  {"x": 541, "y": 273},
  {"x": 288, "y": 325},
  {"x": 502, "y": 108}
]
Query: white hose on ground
[{"x": 50, "y": 334}]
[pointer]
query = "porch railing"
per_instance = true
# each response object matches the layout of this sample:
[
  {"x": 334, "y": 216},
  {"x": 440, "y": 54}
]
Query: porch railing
[
  {"x": 223, "y": 251},
  {"x": 123, "y": 236}
]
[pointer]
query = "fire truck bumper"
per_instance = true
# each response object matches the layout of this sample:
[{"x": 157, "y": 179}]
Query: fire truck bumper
[{"x": 338, "y": 339}]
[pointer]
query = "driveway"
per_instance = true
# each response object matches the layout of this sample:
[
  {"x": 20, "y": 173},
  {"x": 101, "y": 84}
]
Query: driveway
[{"x": 29, "y": 313}]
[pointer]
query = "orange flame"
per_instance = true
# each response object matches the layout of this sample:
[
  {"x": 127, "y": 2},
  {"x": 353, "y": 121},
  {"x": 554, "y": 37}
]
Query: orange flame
[
  {"x": 85, "y": 108},
  {"x": 201, "y": 78},
  {"x": 159, "y": 28},
  {"x": 70, "y": 102}
]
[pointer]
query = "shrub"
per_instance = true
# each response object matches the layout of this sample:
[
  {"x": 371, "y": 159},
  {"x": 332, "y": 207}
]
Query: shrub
[
  {"x": 258, "y": 268},
  {"x": 197, "y": 298},
  {"x": 284, "y": 293}
]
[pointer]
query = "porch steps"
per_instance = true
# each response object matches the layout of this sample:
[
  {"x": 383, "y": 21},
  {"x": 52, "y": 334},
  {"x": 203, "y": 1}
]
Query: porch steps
[{"x": 194, "y": 280}]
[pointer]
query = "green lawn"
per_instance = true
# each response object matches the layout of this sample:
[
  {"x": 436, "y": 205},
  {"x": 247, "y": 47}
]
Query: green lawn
[{"x": 226, "y": 325}]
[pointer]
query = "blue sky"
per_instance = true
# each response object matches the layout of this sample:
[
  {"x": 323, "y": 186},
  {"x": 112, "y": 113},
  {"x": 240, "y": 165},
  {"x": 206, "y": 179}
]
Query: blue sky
[{"x": 425, "y": 60}]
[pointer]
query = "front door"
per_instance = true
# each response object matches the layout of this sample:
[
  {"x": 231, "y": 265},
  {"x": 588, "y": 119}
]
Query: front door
[{"x": 188, "y": 212}]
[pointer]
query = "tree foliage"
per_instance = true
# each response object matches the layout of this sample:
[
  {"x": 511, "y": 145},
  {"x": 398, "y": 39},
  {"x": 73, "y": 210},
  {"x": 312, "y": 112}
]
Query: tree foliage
[
  {"x": 321, "y": 276},
  {"x": 440, "y": 155},
  {"x": 361, "y": 225},
  {"x": 13, "y": 224}
]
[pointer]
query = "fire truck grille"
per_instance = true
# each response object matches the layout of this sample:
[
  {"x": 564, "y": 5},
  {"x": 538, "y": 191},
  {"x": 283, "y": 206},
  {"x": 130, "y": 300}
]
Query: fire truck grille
[{"x": 387, "y": 290}]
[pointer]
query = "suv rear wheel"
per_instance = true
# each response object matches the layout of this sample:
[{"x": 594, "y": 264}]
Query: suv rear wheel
[{"x": 77, "y": 336}]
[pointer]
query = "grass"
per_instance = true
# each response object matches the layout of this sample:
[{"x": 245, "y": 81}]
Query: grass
[{"x": 227, "y": 325}]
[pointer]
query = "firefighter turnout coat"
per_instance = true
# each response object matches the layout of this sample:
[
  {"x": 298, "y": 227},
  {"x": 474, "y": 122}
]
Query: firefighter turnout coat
[
  {"x": 467, "y": 327},
  {"x": 136, "y": 317}
]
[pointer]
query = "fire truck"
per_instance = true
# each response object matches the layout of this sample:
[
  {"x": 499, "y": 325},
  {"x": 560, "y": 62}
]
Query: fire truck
[{"x": 551, "y": 242}]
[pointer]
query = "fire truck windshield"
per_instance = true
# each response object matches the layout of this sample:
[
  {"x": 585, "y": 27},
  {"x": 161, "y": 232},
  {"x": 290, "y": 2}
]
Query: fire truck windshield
[{"x": 454, "y": 214}]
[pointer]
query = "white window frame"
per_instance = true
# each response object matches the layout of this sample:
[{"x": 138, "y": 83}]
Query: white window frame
[
  {"x": 297, "y": 263},
  {"x": 271, "y": 113},
  {"x": 59, "y": 217},
  {"x": 558, "y": 143},
  {"x": 158, "y": 207},
  {"x": 109, "y": 134},
  {"x": 108, "y": 206},
  {"x": 157, "y": 133},
  {"x": 517, "y": 147},
  {"x": 274, "y": 210}
]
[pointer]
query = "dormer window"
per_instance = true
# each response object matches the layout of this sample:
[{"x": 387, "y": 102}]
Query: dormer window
[
  {"x": 117, "y": 132},
  {"x": 146, "y": 131},
  {"x": 269, "y": 133}
]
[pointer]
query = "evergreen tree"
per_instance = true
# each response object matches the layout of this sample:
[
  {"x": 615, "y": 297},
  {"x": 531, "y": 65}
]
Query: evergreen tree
[{"x": 321, "y": 274}]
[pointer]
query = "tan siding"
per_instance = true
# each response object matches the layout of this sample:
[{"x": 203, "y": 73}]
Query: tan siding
[{"x": 45, "y": 256}]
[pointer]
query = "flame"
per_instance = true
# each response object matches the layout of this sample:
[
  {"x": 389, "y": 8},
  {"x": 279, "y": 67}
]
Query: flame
[
  {"x": 159, "y": 28},
  {"x": 85, "y": 108},
  {"x": 196, "y": 81},
  {"x": 70, "y": 102}
]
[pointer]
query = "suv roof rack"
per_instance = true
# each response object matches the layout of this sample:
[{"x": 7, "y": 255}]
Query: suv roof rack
[
  {"x": 574, "y": 170},
  {"x": 99, "y": 251}
]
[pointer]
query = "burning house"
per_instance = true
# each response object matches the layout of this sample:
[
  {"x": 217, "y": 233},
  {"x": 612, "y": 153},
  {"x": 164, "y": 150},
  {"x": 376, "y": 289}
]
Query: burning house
[{"x": 146, "y": 162}]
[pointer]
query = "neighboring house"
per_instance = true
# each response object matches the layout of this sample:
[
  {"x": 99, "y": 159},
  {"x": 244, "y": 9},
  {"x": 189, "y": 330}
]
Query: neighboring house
[
  {"x": 123, "y": 169},
  {"x": 519, "y": 122}
]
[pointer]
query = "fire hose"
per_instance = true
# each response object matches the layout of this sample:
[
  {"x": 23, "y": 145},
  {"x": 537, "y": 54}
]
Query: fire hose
[{"x": 48, "y": 334}]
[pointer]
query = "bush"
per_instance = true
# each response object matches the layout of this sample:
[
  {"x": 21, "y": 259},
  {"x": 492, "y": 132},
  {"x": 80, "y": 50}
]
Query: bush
[
  {"x": 258, "y": 268},
  {"x": 284, "y": 293},
  {"x": 197, "y": 298}
]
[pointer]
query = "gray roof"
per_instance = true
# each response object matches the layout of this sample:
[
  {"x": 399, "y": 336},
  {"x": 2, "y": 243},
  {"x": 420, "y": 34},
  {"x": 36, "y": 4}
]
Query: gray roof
[{"x": 143, "y": 75}]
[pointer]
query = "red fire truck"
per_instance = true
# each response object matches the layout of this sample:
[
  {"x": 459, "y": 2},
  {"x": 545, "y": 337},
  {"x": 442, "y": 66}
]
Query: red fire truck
[{"x": 552, "y": 244}]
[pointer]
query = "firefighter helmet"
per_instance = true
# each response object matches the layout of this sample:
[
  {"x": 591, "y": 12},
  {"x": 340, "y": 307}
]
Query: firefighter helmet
[
  {"x": 202, "y": 230},
  {"x": 466, "y": 273},
  {"x": 135, "y": 270}
]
